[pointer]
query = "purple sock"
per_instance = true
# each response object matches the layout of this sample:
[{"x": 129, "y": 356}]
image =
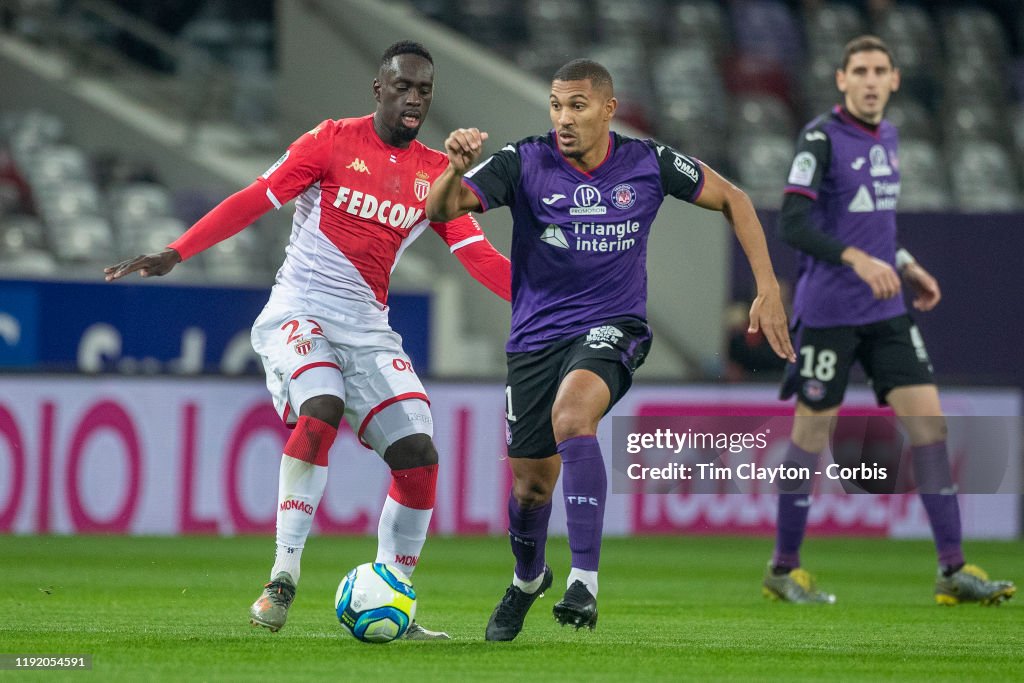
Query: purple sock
[
  {"x": 791, "y": 519},
  {"x": 528, "y": 533},
  {"x": 585, "y": 487},
  {"x": 938, "y": 494}
]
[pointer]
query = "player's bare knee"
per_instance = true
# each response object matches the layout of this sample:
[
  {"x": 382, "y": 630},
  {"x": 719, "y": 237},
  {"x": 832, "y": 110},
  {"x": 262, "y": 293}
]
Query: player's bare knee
[
  {"x": 532, "y": 492},
  {"x": 925, "y": 430},
  {"x": 415, "y": 450},
  {"x": 567, "y": 424},
  {"x": 326, "y": 408}
]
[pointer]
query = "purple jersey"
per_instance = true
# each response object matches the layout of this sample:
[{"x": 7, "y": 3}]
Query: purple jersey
[
  {"x": 853, "y": 175},
  {"x": 579, "y": 240}
]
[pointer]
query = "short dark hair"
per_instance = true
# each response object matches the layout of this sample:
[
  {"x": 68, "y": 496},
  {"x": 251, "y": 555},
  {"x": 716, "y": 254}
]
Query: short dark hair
[
  {"x": 405, "y": 47},
  {"x": 585, "y": 70},
  {"x": 866, "y": 44}
]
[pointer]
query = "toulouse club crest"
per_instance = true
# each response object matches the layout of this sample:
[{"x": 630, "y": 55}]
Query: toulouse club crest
[
  {"x": 421, "y": 186},
  {"x": 623, "y": 196}
]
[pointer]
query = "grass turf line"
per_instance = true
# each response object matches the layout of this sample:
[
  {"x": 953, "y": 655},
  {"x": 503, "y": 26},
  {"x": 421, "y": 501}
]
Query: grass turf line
[{"x": 672, "y": 608}]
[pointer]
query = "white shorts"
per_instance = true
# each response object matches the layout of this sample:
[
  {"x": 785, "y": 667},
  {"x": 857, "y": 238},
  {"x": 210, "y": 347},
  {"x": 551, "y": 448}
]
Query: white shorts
[{"x": 312, "y": 351}]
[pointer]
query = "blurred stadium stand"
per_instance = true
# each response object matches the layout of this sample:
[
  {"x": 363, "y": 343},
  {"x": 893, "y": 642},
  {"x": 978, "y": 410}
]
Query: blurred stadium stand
[{"x": 729, "y": 81}]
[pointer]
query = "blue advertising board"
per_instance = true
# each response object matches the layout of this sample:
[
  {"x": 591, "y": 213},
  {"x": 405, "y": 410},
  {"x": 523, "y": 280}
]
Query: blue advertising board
[{"x": 150, "y": 328}]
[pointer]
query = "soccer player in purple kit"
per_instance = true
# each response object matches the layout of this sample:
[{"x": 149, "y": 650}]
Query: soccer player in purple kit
[
  {"x": 583, "y": 200},
  {"x": 840, "y": 211}
]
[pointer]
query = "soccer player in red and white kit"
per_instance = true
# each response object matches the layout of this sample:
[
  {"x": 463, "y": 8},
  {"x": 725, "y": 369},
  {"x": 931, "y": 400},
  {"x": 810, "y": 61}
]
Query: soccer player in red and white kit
[{"x": 360, "y": 185}]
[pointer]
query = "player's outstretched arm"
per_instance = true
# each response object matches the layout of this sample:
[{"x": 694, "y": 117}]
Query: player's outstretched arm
[
  {"x": 228, "y": 218},
  {"x": 767, "y": 313},
  {"x": 147, "y": 264},
  {"x": 448, "y": 197}
]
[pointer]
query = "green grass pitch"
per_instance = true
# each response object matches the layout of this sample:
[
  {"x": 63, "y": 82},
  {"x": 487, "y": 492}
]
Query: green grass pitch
[{"x": 680, "y": 608}]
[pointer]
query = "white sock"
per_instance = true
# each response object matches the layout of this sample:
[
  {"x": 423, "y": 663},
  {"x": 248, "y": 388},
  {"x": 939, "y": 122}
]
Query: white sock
[
  {"x": 300, "y": 487},
  {"x": 588, "y": 578},
  {"x": 531, "y": 586},
  {"x": 401, "y": 533}
]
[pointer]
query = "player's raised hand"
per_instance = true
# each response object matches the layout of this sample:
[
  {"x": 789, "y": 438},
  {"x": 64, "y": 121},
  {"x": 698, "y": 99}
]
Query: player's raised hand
[
  {"x": 147, "y": 264},
  {"x": 768, "y": 315},
  {"x": 464, "y": 146},
  {"x": 925, "y": 287},
  {"x": 876, "y": 273}
]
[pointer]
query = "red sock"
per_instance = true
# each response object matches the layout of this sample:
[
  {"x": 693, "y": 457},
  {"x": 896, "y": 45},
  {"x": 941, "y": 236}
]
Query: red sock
[
  {"x": 415, "y": 487},
  {"x": 311, "y": 440}
]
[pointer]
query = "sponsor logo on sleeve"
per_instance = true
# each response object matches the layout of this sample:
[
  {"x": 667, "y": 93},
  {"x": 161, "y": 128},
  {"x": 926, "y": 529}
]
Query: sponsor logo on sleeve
[
  {"x": 284, "y": 157},
  {"x": 802, "y": 170},
  {"x": 684, "y": 166}
]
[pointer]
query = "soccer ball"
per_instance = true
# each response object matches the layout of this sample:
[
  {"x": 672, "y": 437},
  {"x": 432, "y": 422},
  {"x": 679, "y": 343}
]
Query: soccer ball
[{"x": 375, "y": 604}]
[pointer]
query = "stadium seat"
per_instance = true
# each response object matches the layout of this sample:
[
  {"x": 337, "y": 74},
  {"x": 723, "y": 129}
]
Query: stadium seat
[
  {"x": 986, "y": 179},
  {"x": 560, "y": 25},
  {"x": 20, "y": 233},
  {"x": 911, "y": 118},
  {"x": 495, "y": 23},
  {"x": 828, "y": 26},
  {"x": 64, "y": 201},
  {"x": 974, "y": 26},
  {"x": 632, "y": 83},
  {"x": 761, "y": 164},
  {"x": 767, "y": 30},
  {"x": 57, "y": 163},
  {"x": 764, "y": 113},
  {"x": 148, "y": 234},
  {"x": 136, "y": 202},
  {"x": 699, "y": 23},
  {"x": 81, "y": 239},
  {"x": 630, "y": 22},
  {"x": 911, "y": 35},
  {"x": 973, "y": 120},
  {"x": 924, "y": 184}
]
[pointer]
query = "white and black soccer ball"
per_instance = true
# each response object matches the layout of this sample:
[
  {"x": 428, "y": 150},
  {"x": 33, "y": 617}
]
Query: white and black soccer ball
[{"x": 375, "y": 604}]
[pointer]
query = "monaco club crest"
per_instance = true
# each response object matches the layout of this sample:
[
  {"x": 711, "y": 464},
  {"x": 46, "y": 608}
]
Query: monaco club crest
[
  {"x": 304, "y": 346},
  {"x": 421, "y": 186}
]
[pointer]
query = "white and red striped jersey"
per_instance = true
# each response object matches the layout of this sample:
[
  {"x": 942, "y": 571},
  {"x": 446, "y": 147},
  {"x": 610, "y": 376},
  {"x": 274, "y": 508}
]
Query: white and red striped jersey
[{"x": 359, "y": 205}]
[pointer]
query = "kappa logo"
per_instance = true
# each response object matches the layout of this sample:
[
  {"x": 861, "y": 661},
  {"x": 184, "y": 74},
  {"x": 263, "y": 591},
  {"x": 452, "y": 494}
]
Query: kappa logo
[
  {"x": 421, "y": 186},
  {"x": 552, "y": 199},
  {"x": 359, "y": 166}
]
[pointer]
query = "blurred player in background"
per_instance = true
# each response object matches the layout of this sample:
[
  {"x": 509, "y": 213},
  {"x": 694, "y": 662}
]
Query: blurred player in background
[
  {"x": 583, "y": 201},
  {"x": 328, "y": 350},
  {"x": 840, "y": 211}
]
